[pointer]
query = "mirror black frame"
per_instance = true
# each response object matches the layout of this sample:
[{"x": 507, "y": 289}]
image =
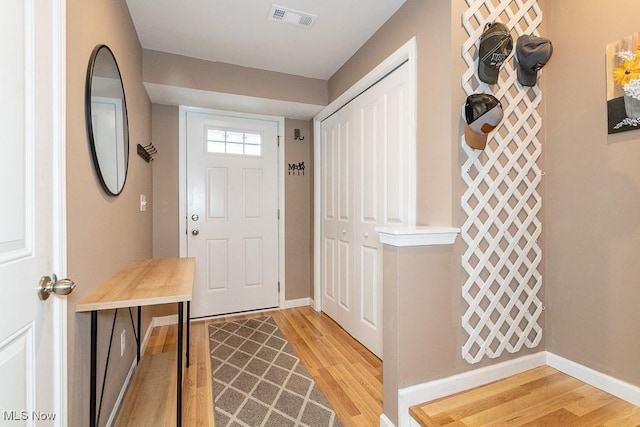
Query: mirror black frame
[{"x": 89, "y": 122}]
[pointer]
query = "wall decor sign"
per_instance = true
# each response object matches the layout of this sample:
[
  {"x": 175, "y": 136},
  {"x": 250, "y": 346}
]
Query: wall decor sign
[
  {"x": 296, "y": 168},
  {"x": 623, "y": 84}
]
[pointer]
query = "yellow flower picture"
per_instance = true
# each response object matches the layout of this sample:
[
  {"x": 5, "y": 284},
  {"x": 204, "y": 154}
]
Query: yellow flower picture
[
  {"x": 627, "y": 71},
  {"x": 623, "y": 84}
]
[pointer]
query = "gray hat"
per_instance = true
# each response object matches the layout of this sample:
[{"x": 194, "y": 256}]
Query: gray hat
[
  {"x": 496, "y": 45},
  {"x": 532, "y": 53},
  {"x": 482, "y": 114}
]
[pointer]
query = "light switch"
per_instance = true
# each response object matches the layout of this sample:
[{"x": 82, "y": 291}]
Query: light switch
[{"x": 143, "y": 203}]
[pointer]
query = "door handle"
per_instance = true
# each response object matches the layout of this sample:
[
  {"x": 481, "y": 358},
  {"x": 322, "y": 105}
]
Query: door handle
[
  {"x": 51, "y": 284},
  {"x": 195, "y": 232}
]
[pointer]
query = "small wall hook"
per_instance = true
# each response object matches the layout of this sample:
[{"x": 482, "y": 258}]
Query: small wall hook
[
  {"x": 296, "y": 135},
  {"x": 146, "y": 152}
]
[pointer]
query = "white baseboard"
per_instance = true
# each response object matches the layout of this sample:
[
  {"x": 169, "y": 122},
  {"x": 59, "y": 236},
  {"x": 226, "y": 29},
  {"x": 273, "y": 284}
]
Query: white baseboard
[
  {"x": 425, "y": 392},
  {"x": 171, "y": 319},
  {"x": 614, "y": 386},
  {"x": 295, "y": 303},
  {"x": 123, "y": 391},
  {"x": 385, "y": 421}
]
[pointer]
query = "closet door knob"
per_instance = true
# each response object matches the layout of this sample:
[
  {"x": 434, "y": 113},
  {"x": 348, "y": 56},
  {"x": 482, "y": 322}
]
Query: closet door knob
[{"x": 195, "y": 232}]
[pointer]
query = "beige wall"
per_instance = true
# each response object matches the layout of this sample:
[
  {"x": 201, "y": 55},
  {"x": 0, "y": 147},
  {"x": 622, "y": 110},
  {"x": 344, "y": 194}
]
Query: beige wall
[
  {"x": 592, "y": 224},
  {"x": 430, "y": 22},
  {"x": 421, "y": 319},
  {"x": 181, "y": 71},
  {"x": 165, "y": 208},
  {"x": 104, "y": 233},
  {"x": 164, "y": 134},
  {"x": 298, "y": 212}
]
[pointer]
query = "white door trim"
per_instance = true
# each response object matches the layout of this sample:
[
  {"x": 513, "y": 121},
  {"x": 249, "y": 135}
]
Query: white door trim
[
  {"x": 59, "y": 82},
  {"x": 182, "y": 181},
  {"x": 408, "y": 53}
]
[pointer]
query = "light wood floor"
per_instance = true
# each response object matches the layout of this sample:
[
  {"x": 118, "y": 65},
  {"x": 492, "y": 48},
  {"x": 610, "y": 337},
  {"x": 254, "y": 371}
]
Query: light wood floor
[
  {"x": 539, "y": 397},
  {"x": 351, "y": 378},
  {"x": 348, "y": 374}
]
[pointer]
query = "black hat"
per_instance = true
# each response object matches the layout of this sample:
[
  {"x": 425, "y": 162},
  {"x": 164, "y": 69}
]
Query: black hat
[{"x": 496, "y": 45}]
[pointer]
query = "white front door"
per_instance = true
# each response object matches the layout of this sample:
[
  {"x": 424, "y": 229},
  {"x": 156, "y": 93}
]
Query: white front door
[
  {"x": 32, "y": 335},
  {"x": 232, "y": 212}
]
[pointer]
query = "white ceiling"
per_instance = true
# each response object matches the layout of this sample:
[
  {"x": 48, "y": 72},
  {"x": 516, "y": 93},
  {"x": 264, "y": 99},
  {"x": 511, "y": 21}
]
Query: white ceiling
[{"x": 238, "y": 31}]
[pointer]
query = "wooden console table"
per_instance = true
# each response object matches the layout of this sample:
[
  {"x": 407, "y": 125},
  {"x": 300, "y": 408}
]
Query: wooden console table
[{"x": 141, "y": 283}]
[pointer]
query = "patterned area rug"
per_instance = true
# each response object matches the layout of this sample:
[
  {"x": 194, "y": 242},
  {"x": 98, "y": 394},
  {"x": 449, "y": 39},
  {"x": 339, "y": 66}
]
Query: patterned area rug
[{"x": 259, "y": 381}]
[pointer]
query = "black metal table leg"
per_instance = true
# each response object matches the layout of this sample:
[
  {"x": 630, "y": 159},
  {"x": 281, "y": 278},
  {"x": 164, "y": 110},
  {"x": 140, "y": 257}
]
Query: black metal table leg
[
  {"x": 188, "y": 330},
  {"x": 139, "y": 334},
  {"x": 180, "y": 350},
  {"x": 94, "y": 369}
]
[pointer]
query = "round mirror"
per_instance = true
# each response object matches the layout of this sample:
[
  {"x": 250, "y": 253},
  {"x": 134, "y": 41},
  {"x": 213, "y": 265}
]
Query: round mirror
[{"x": 106, "y": 119}]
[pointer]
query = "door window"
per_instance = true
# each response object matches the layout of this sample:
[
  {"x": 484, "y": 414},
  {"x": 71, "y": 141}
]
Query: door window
[{"x": 226, "y": 141}]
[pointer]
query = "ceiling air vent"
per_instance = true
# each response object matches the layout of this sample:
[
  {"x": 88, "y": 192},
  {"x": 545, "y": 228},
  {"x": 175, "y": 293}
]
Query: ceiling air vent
[{"x": 291, "y": 16}]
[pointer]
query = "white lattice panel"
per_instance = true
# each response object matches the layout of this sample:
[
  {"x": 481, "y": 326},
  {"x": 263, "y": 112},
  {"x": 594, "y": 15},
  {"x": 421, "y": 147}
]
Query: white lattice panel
[{"x": 501, "y": 201}]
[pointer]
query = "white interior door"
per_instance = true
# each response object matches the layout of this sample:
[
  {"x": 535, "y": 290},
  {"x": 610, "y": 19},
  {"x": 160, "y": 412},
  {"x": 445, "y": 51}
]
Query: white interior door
[
  {"x": 329, "y": 237},
  {"x": 365, "y": 184},
  {"x": 232, "y": 212},
  {"x": 338, "y": 216},
  {"x": 382, "y": 192},
  {"x": 32, "y": 336}
]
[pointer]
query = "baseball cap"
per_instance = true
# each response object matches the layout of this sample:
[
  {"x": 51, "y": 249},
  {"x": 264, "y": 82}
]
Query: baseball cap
[
  {"x": 532, "y": 53},
  {"x": 482, "y": 114},
  {"x": 496, "y": 45}
]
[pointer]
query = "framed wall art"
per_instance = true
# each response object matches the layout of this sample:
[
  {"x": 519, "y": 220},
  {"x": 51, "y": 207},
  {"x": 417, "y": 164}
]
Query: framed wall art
[{"x": 623, "y": 84}]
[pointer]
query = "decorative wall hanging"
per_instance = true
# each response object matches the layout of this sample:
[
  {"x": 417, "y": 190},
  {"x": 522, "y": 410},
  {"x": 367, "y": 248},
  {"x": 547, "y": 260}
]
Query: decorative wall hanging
[
  {"x": 501, "y": 202},
  {"x": 296, "y": 135},
  {"x": 623, "y": 84},
  {"x": 296, "y": 168}
]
